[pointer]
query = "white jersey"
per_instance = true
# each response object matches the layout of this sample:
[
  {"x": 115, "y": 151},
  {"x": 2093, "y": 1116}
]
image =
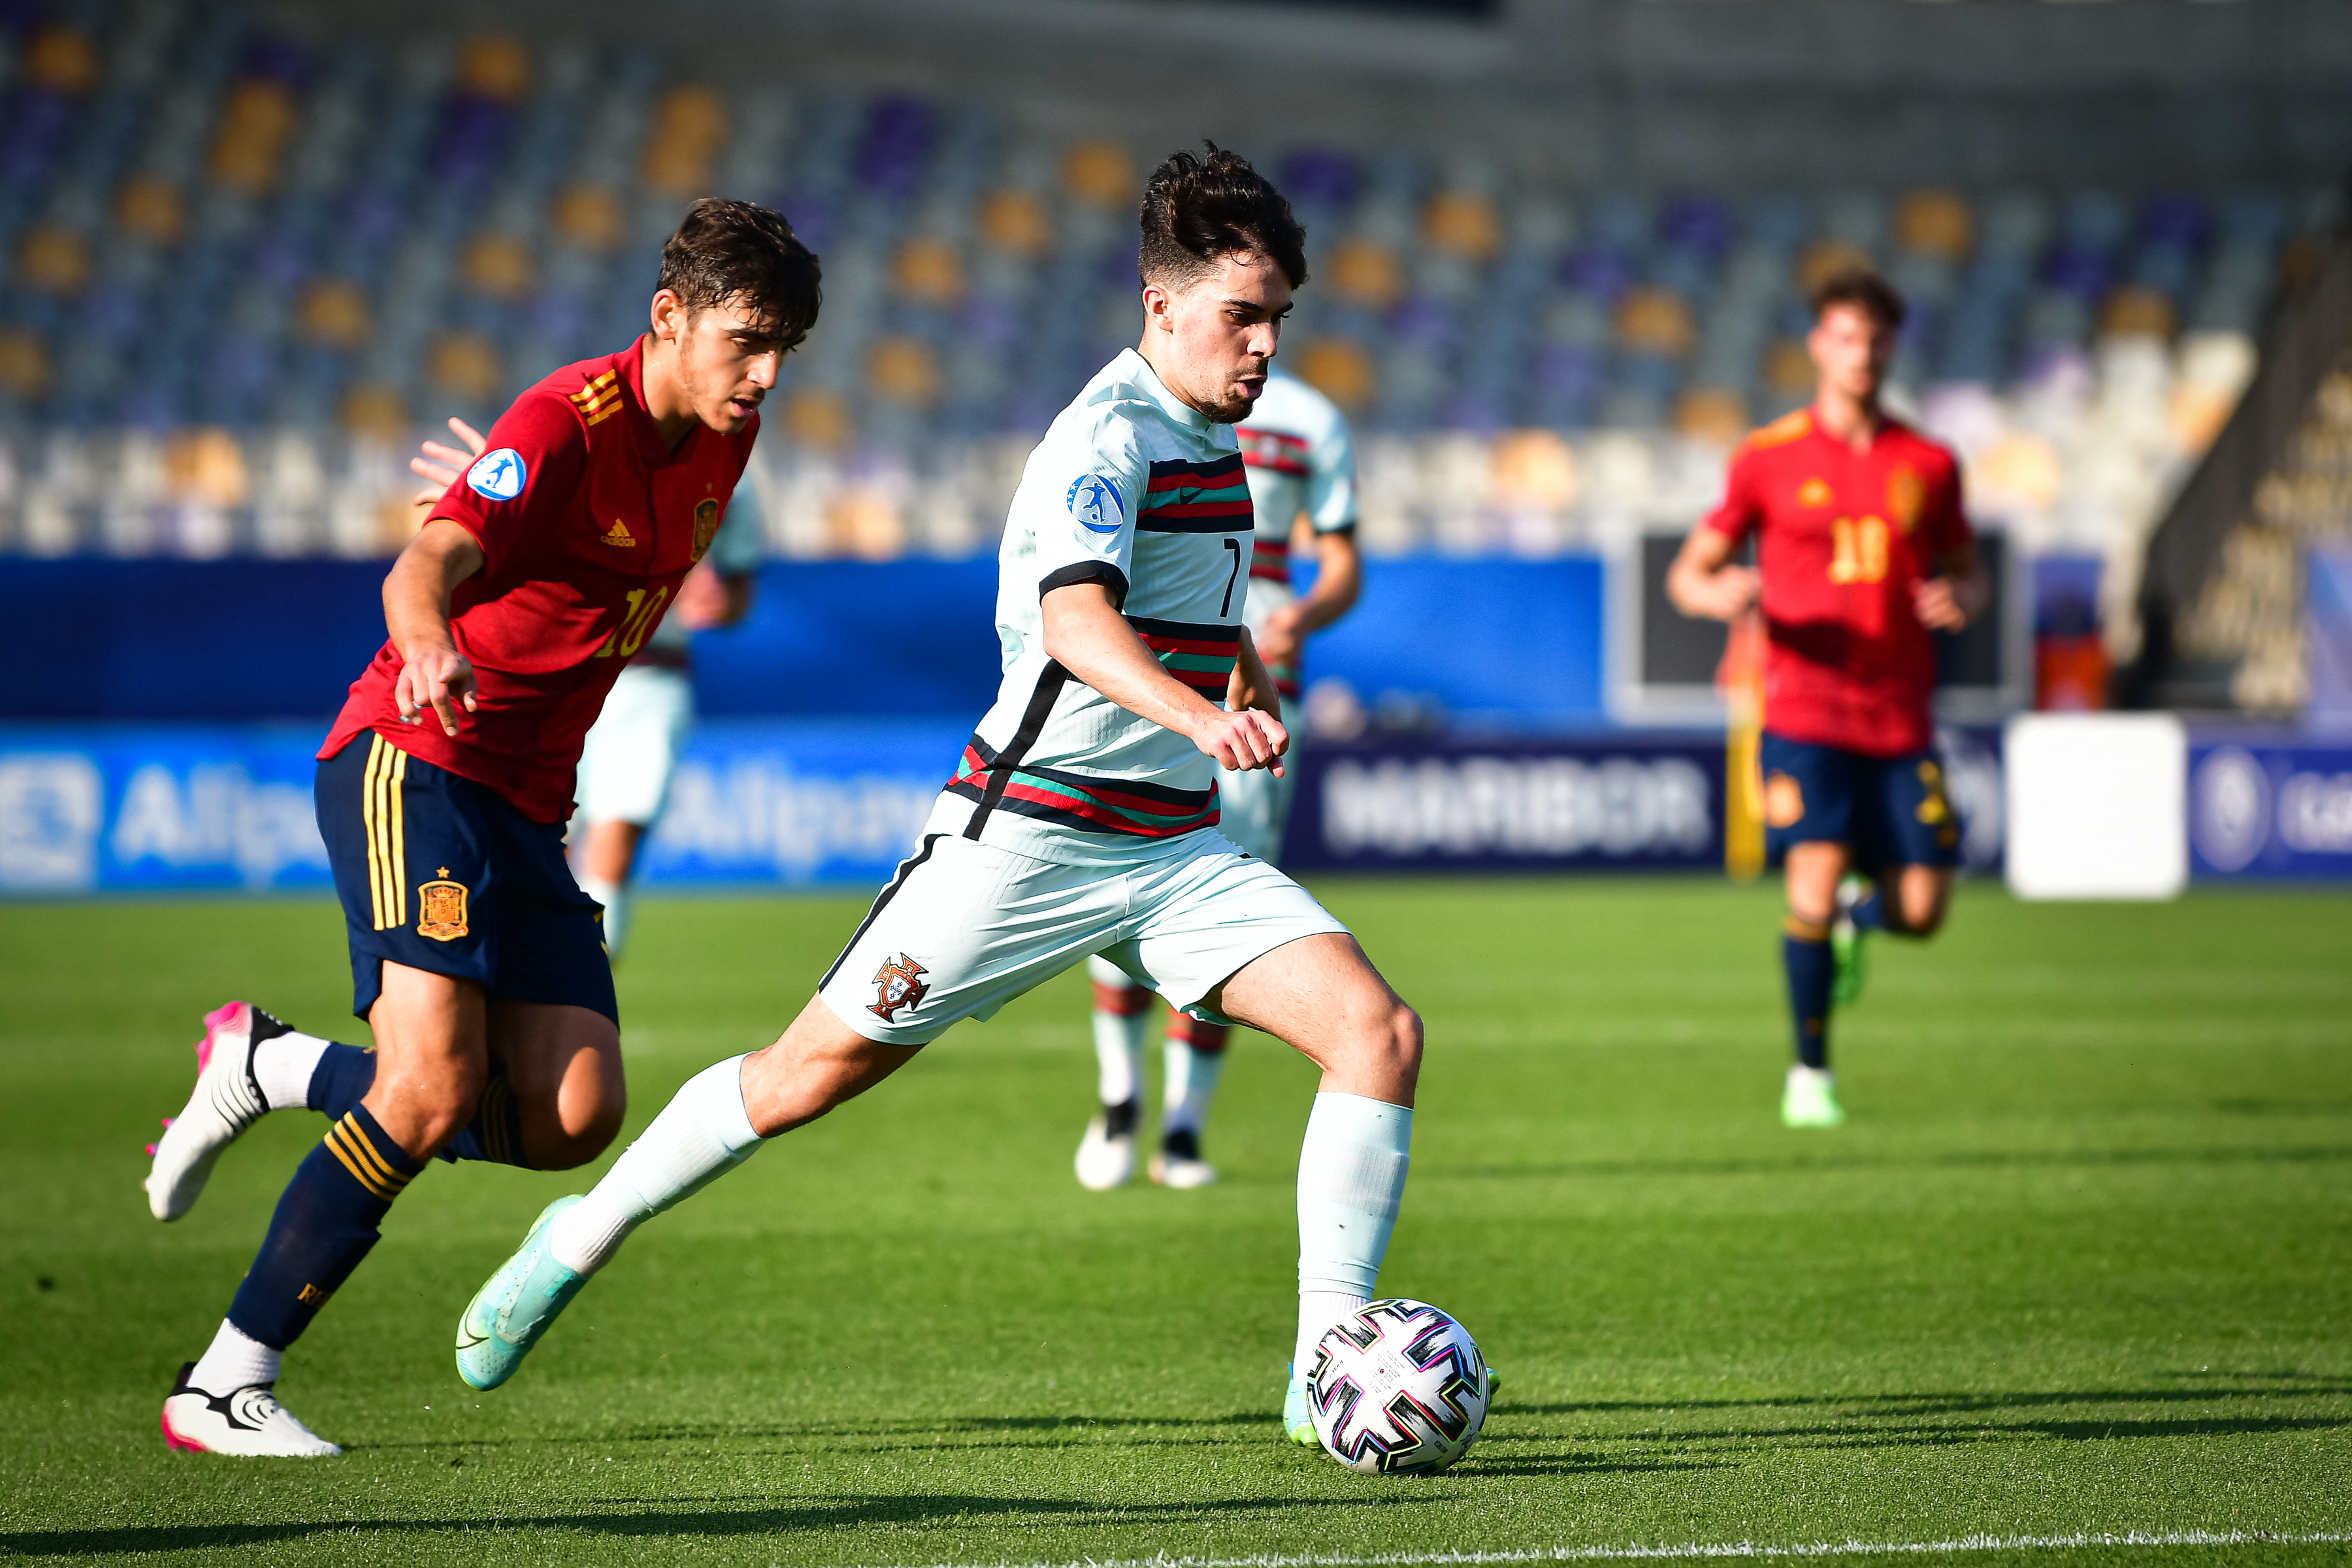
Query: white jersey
[
  {"x": 1302, "y": 460},
  {"x": 1134, "y": 489},
  {"x": 737, "y": 550}
]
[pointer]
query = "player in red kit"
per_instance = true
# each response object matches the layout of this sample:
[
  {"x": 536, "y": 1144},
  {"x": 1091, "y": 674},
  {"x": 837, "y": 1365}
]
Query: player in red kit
[
  {"x": 1861, "y": 551},
  {"x": 442, "y": 790}
]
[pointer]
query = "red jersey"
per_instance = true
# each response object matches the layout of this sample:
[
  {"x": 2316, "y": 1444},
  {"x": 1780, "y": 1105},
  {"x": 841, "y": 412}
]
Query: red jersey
[
  {"x": 1843, "y": 539},
  {"x": 587, "y": 524}
]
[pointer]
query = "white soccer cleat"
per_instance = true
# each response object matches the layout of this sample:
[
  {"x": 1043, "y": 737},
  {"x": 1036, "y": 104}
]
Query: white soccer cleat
[
  {"x": 227, "y": 1100},
  {"x": 1107, "y": 1154},
  {"x": 248, "y": 1423},
  {"x": 1809, "y": 1099},
  {"x": 1178, "y": 1163}
]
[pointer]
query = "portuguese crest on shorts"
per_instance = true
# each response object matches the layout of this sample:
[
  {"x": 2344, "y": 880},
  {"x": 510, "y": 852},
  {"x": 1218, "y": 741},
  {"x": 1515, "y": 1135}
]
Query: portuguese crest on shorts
[
  {"x": 898, "y": 983},
  {"x": 706, "y": 524},
  {"x": 441, "y": 908}
]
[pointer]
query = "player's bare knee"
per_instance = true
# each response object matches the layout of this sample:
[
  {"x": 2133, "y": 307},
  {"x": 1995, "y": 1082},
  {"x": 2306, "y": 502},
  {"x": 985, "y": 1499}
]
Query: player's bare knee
[
  {"x": 1404, "y": 1041},
  {"x": 438, "y": 1110}
]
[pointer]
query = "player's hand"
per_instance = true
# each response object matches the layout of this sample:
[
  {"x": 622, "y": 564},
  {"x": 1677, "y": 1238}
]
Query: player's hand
[
  {"x": 1726, "y": 593},
  {"x": 440, "y": 464},
  {"x": 440, "y": 679},
  {"x": 1938, "y": 602},
  {"x": 1278, "y": 638},
  {"x": 1249, "y": 739},
  {"x": 702, "y": 599}
]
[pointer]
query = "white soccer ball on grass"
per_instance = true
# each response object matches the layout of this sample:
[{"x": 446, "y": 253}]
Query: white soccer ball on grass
[{"x": 1398, "y": 1388}]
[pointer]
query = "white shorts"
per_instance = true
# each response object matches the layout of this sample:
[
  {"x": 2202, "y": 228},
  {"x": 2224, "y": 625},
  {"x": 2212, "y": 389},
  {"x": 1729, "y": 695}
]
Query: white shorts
[
  {"x": 1253, "y": 807},
  {"x": 632, "y": 749},
  {"x": 965, "y": 928}
]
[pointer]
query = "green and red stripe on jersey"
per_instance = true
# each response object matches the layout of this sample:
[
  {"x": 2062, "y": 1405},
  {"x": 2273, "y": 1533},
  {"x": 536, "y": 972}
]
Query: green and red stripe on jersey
[
  {"x": 1077, "y": 800},
  {"x": 1196, "y": 497},
  {"x": 1202, "y": 657},
  {"x": 1271, "y": 560},
  {"x": 1271, "y": 449}
]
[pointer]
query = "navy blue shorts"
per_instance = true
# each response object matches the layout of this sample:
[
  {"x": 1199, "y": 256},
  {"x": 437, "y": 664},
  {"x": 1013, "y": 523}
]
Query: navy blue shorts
[
  {"x": 1887, "y": 811},
  {"x": 441, "y": 874}
]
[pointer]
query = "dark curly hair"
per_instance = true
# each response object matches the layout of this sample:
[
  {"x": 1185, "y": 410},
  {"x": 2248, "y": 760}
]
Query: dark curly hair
[
  {"x": 727, "y": 250},
  {"x": 1198, "y": 210},
  {"x": 1863, "y": 288}
]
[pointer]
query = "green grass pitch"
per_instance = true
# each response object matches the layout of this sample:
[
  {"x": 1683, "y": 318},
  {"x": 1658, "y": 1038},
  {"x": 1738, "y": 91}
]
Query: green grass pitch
[{"x": 2081, "y": 1263}]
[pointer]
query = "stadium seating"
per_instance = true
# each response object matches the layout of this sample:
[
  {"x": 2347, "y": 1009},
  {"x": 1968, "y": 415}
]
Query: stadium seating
[{"x": 245, "y": 273}]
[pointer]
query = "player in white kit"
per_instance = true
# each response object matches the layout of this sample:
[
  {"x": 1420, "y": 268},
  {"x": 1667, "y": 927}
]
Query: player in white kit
[
  {"x": 630, "y": 752},
  {"x": 1301, "y": 461},
  {"x": 1082, "y": 818}
]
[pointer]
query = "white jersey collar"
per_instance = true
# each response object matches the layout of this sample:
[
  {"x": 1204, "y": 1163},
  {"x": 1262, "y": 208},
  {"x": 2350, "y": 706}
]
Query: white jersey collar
[{"x": 1137, "y": 371}]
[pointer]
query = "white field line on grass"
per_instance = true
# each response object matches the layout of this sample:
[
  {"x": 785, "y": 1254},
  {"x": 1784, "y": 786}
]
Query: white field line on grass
[{"x": 1719, "y": 1548}]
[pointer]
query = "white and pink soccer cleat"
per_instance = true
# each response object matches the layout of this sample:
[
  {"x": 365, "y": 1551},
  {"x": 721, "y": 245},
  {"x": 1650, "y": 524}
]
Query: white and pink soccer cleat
[
  {"x": 227, "y": 1099},
  {"x": 248, "y": 1423}
]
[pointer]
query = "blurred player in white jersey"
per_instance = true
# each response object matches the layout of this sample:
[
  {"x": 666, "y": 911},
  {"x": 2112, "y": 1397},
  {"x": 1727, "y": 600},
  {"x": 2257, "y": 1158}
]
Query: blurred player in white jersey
[
  {"x": 631, "y": 752},
  {"x": 1301, "y": 461}
]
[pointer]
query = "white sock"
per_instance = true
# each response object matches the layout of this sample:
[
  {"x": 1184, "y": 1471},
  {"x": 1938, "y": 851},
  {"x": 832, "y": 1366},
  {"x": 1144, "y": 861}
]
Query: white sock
[
  {"x": 283, "y": 1067},
  {"x": 1190, "y": 1084},
  {"x": 1119, "y": 1039},
  {"x": 701, "y": 1134},
  {"x": 1351, "y": 1171},
  {"x": 234, "y": 1359},
  {"x": 614, "y": 897}
]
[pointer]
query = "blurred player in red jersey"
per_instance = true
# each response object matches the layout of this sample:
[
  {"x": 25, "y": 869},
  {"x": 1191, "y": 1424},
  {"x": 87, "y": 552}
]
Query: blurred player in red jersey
[
  {"x": 1862, "y": 552},
  {"x": 442, "y": 790}
]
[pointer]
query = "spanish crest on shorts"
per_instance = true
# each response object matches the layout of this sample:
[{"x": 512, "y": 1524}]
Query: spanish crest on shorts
[
  {"x": 898, "y": 983},
  {"x": 1094, "y": 504},
  {"x": 499, "y": 474}
]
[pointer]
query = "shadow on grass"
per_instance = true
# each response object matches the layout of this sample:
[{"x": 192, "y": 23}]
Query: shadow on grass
[
  {"x": 746, "y": 1431},
  {"x": 2304, "y": 1385},
  {"x": 834, "y": 1513},
  {"x": 1981, "y": 1159},
  {"x": 1927, "y": 1420}
]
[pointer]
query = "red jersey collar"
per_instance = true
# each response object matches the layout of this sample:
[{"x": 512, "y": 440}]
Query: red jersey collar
[
  {"x": 631, "y": 362},
  {"x": 1887, "y": 426}
]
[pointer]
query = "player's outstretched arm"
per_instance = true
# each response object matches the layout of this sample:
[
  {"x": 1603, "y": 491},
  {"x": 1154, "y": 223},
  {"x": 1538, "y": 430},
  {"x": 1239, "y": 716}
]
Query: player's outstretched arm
[
  {"x": 432, "y": 673},
  {"x": 1085, "y": 636},
  {"x": 1704, "y": 581},
  {"x": 1252, "y": 685}
]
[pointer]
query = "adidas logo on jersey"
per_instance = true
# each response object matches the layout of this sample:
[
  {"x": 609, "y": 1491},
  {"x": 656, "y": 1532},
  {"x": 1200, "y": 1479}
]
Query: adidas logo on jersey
[{"x": 619, "y": 534}]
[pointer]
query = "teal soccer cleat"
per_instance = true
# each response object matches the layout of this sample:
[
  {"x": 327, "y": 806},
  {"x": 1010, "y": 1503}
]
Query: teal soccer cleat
[
  {"x": 509, "y": 1314},
  {"x": 1297, "y": 1418}
]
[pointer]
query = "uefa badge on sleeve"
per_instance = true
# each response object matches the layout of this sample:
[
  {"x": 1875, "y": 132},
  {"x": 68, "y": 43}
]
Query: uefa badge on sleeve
[
  {"x": 499, "y": 474},
  {"x": 1093, "y": 504}
]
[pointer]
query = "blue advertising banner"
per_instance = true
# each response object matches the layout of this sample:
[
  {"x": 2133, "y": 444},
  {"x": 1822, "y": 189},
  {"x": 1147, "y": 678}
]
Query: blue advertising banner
[
  {"x": 2269, "y": 808},
  {"x": 89, "y": 808},
  {"x": 157, "y": 808}
]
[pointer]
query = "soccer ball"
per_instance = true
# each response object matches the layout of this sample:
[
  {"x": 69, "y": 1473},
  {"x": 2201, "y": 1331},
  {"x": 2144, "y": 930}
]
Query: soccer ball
[{"x": 1399, "y": 1388}]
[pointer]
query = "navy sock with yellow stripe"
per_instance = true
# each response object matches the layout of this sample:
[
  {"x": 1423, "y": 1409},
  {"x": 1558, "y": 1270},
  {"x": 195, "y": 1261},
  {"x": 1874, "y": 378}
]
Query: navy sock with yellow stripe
[
  {"x": 495, "y": 1132},
  {"x": 1811, "y": 967},
  {"x": 345, "y": 1074},
  {"x": 325, "y": 1223}
]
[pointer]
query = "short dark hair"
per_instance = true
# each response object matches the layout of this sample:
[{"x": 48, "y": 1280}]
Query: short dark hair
[
  {"x": 727, "y": 250},
  {"x": 1863, "y": 288},
  {"x": 1197, "y": 210}
]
